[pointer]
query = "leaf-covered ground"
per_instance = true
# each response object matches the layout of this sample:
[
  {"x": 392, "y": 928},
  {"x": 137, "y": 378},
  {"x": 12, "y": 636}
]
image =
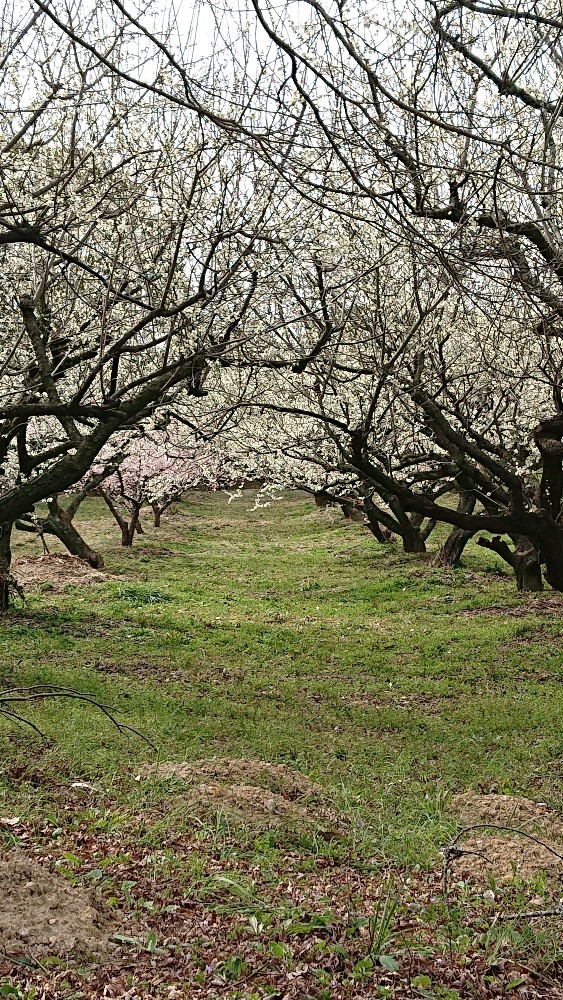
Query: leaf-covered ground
[{"x": 285, "y": 635}]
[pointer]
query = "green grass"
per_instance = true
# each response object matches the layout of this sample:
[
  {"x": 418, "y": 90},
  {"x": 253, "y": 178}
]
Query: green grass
[
  {"x": 280, "y": 635},
  {"x": 289, "y": 636}
]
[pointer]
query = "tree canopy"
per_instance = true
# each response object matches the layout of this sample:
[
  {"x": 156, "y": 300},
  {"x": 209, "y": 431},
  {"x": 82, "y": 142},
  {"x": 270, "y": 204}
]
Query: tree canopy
[{"x": 324, "y": 236}]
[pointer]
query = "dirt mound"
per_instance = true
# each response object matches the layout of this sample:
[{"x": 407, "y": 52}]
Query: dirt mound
[
  {"x": 508, "y": 810},
  {"x": 506, "y": 855},
  {"x": 54, "y": 572},
  {"x": 505, "y": 858},
  {"x": 251, "y": 791},
  {"x": 42, "y": 915},
  {"x": 232, "y": 770},
  {"x": 154, "y": 551},
  {"x": 246, "y": 803}
]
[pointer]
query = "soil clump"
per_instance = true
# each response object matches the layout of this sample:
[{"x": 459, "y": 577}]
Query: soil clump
[{"x": 42, "y": 915}]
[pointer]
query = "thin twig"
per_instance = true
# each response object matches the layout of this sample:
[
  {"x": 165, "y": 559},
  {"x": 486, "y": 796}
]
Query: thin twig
[
  {"x": 39, "y": 692},
  {"x": 505, "y": 829},
  {"x": 452, "y": 851},
  {"x": 557, "y": 912}
]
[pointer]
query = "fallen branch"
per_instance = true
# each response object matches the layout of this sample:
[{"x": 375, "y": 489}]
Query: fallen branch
[{"x": 39, "y": 692}]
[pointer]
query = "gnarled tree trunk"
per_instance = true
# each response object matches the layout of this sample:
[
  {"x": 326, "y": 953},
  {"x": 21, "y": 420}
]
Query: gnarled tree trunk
[
  {"x": 322, "y": 499},
  {"x": 352, "y": 512},
  {"x": 352, "y": 509},
  {"x": 524, "y": 559},
  {"x": 428, "y": 528},
  {"x": 549, "y": 439},
  {"x": 128, "y": 528},
  {"x": 59, "y": 523},
  {"x": 452, "y": 549},
  {"x": 5, "y": 564},
  {"x": 527, "y": 565},
  {"x": 381, "y": 534},
  {"x": 552, "y": 556},
  {"x": 379, "y": 530},
  {"x": 413, "y": 540},
  {"x": 408, "y": 527}
]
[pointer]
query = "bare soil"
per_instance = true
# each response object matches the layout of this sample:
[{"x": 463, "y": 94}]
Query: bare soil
[
  {"x": 275, "y": 777},
  {"x": 506, "y": 855},
  {"x": 154, "y": 551},
  {"x": 249, "y": 791},
  {"x": 529, "y": 606},
  {"x": 42, "y": 915},
  {"x": 54, "y": 572},
  {"x": 503, "y": 859},
  {"x": 245, "y": 803}
]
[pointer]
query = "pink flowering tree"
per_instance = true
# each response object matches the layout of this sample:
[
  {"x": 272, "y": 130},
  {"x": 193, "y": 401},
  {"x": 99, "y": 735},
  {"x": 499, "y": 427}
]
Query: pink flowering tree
[{"x": 156, "y": 472}]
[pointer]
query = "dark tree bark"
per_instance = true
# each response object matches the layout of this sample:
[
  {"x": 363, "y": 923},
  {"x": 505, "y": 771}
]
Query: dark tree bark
[
  {"x": 59, "y": 523},
  {"x": 552, "y": 556},
  {"x": 527, "y": 566},
  {"x": 5, "y": 563},
  {"x": 381, "y": 531},
  {"x": 134, "y": 527},
  {"x": 158, "y": 509},
  {"x": 428, "y": 529},
  {"x": 413, "y": 540},
  {"x": 128, "y": 528},
  {"x": 524, "y": 559},
  {"x": 323, "y": 499},
  {"x": 408, "y": 526},
  {"x": 352, "y": 512},
  {"x": 548, "y": 437},
  {"x": 452, "y": 549},
  {"x": 353, "y": 509}
]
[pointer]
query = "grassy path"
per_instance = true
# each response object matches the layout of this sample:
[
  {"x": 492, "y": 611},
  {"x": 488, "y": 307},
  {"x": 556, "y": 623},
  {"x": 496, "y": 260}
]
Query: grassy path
[{"x": 284, "y": 635}]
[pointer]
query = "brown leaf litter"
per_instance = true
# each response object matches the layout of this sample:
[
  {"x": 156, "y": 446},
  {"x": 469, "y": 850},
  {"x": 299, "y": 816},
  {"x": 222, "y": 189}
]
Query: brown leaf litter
[
  {"x": 197, "y": 938},
  {"x": 56, "y": 571},
  {"x": 248, "y": 791},
  {"x": 42, "y": 915},
  {"x": 506, "y": 855}
]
